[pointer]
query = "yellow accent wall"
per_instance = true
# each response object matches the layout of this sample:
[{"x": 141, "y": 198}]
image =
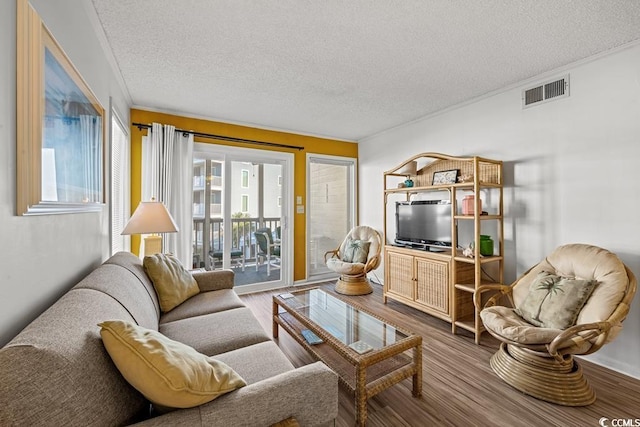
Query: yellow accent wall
[{"x": 311, "y": 145}]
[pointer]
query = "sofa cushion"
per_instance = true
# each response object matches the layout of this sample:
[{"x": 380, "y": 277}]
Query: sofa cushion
[
  {"x": 167, "y": 372},
  {"x": 133, "y": 264},
  {"x": 257, "y": 362},
  {"x": 204, "y": 303},
  {"x": 341, "y": 267},
  {"x": 57, "y": 372},
  {"x": 125, "y": 288},
  {"x": 171, "y": 281},
  {"x": 505, "y": 322},
  {"x": 214, "y": 280},
  {"x": 217, "y": 333}
]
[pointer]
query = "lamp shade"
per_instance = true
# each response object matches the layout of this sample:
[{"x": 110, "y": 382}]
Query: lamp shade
[
  {"x": 150, "y": 217},
  {"x": 408, "y": 169}
]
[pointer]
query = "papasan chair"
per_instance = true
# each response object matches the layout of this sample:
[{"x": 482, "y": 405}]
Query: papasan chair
[
  {"x": 571, "y": 303},
  {"x": 358, "y": 254}
]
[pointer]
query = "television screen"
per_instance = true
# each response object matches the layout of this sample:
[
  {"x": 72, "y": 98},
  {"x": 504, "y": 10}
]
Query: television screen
[{"x": 424, "y": 222}]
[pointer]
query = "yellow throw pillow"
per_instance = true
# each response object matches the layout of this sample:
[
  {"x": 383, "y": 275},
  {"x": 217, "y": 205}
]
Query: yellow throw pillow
[
  {"x": 173, "y": 284},
  {"x": 166, "y": 372}
]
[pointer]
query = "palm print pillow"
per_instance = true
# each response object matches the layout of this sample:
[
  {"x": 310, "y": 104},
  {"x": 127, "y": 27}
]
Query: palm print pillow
[
  {"x": 356, "y": 251},
  {"x": 555, "y": 301}
]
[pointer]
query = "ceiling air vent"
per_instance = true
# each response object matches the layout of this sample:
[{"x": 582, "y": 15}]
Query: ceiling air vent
[{"x": 546, "y": 91}]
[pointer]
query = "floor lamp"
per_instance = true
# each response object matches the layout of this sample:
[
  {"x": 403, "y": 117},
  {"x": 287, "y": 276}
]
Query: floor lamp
[{"x": 151, "y": 218}]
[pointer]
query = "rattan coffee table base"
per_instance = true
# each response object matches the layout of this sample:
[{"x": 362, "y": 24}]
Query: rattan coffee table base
[
  {"x": 348, "y": 285},
  {"x": 399, "y": 357},
  {"x": 544, "y": 378}
]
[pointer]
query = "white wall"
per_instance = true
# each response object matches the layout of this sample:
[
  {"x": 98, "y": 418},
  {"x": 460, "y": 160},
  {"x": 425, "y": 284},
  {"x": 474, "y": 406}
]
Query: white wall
[
  {"x": 41, "y": 257},
  {"x": 571, "y": 170}
]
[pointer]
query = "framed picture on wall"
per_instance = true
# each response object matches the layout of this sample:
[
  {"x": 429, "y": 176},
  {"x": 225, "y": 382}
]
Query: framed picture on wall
[
  {"x": 60, "y": 127},
  {"x": 445, "y": 177}
]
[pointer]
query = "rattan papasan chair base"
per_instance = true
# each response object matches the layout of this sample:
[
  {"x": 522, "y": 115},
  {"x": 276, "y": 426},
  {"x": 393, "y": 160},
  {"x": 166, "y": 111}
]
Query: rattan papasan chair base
[
  {"x": 353, "y": 273},
  {"x": 353, "y": 285},
  {"x": 560, "y": 382},
  {"x": 537, "y": 359}
]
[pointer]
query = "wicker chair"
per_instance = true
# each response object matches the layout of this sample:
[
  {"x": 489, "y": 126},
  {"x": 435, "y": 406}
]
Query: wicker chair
[
  {"x": 538, "y": 360},
  {"x": 353, "y": 273}
]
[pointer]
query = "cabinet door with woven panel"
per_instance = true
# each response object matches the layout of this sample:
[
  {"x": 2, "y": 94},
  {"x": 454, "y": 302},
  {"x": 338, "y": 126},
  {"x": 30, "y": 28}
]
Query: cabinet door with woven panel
[
  {"x": 399, "y": 278},
  {"x": 432, "y": 287}
]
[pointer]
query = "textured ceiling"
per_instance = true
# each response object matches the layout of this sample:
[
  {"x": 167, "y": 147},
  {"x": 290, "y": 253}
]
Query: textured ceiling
[{"x": 346, "y": 69}]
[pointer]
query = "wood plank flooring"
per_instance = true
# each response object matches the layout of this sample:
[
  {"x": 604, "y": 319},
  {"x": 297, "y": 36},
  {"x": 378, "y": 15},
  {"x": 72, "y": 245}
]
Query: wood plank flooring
[{"x": 459, "y": 387}]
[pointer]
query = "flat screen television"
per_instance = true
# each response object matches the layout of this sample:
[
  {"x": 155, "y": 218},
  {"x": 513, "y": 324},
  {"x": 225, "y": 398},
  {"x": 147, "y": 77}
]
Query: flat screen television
[{"x": 424, "y": 223}]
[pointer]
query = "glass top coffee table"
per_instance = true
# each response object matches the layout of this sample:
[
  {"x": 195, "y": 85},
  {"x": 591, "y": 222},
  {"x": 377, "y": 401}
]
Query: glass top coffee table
[{"x": 369, "y": 354}]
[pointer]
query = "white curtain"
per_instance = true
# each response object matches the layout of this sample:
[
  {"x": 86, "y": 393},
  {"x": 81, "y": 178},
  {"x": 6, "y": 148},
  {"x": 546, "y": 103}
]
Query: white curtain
[
  {"x": 91, "y": 136},
  {"x": 167, "y": 162}
]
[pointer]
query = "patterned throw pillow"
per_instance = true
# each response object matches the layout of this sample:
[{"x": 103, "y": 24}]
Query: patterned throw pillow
[
  {"x": 555, "y": 301},
  {"x": 356, "y": 251}
]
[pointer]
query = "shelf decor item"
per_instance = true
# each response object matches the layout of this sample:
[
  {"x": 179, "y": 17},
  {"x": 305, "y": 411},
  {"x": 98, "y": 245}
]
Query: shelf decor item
[
  {"x": 408, "y": 169},
  {"x": 486, "y": 245},
  {"x": 469, "y": 204},
  {"x": 445, "y": 177}
]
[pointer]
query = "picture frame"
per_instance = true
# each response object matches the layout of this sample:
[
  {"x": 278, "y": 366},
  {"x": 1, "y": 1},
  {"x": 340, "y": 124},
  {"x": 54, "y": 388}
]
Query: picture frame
[
  {"x": 445, "y": 177},
  {"x": 60, "y": 127}
]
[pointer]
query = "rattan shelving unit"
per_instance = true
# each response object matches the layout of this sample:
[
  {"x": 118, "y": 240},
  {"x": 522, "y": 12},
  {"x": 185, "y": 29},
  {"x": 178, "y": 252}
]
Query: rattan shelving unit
[{"x": 443, "y": 283}]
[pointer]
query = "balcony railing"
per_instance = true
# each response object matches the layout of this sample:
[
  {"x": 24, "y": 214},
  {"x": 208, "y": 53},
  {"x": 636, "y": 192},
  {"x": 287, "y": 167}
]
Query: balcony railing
[{"x": 242, "y": 237}]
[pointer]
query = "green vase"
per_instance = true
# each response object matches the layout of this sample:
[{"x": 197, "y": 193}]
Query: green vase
[{"x": 486, "y": 245}]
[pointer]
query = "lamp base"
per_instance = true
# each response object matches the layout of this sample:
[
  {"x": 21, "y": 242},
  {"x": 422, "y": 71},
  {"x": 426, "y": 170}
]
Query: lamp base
[{"x": 152, "y": 244}]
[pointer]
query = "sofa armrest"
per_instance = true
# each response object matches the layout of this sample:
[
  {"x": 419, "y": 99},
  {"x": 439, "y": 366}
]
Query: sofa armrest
[
  {"x": 309, "y": 394},
  {"x": 214, "y": 280}
]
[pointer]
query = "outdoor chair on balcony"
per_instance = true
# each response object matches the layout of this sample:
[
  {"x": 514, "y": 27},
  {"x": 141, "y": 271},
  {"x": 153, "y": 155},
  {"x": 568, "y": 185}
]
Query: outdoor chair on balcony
[
  {"x": 267, "y": 250},
  {"x": 237, "y": 257}
]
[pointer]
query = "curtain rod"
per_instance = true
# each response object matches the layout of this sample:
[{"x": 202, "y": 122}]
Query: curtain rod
[{"x": 140, "y": 126}]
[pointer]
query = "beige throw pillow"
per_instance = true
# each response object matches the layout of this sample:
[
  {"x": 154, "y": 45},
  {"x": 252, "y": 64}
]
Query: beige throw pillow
[
  {"x": 554, "y": 301},
  {"x": 166, "y": 372},
  {"x": 173, "y": 284}
]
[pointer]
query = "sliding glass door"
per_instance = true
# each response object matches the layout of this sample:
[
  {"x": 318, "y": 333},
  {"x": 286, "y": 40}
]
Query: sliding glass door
[
  {"x": 240, "y": 214},
  {"x": 331, "y": 196}
]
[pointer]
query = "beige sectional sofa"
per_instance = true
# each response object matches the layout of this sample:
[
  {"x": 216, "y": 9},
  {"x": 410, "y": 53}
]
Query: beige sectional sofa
[{"x": 57, "y": 372}]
